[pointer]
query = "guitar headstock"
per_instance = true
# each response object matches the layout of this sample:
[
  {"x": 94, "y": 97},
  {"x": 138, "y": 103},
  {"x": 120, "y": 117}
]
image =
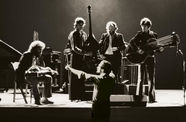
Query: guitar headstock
[
  {"x": 89, "y": 9},
  {"x": 171, "y": 40},
  {"x": 175, "y": 38}
]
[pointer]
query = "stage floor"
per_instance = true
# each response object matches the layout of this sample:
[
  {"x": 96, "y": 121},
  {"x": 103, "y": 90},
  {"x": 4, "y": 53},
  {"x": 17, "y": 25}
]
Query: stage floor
[
  {"x": 165, "y": 98},
  {"x": 169, "y": 107}
]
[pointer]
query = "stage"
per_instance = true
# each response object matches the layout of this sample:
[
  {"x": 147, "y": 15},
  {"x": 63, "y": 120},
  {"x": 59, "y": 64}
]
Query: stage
[{"x": 169, "y": 107}]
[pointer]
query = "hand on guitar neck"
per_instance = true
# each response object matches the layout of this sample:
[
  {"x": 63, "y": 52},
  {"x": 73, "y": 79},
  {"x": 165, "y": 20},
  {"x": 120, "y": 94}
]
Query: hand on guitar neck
[{"x": 161, "y": 49}]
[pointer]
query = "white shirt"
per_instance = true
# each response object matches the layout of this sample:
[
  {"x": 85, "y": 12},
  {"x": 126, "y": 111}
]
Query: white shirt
[{"x": 109, "y": 49}]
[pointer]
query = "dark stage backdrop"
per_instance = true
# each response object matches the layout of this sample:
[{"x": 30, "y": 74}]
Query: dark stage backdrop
[{"x": 53, "y": 19}]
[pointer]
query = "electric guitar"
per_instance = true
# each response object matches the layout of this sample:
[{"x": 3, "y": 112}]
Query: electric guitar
[{"x": 152, "y": 46}]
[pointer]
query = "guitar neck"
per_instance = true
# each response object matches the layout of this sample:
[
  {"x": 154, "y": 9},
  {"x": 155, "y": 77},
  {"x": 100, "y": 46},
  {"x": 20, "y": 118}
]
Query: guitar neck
[
  {"x": 90, "y": 23},
  {"x": 165, "y": 41}
]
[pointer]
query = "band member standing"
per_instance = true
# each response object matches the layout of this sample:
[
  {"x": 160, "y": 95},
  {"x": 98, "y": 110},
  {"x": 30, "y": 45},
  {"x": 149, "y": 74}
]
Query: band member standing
[
  {"x": 139, "y": 42},
  {"x": 31, "y": 61},
  {"x": 76, "y": 42},
  {"x": 103, "y": 85},
  {"x": 111, "y": 45}
]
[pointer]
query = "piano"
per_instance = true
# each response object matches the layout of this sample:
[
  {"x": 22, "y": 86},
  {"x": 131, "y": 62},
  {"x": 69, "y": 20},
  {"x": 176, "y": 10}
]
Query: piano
[{"x": 8, "y": 54}]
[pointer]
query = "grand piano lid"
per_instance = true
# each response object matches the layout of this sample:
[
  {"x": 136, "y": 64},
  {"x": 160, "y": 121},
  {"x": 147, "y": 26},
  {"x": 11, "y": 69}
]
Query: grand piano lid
[{"x": 9, "y": 53}]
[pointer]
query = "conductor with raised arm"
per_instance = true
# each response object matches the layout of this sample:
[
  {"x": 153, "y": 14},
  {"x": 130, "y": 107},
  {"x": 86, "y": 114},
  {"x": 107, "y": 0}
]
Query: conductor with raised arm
[{"x": 103, "y": 84}]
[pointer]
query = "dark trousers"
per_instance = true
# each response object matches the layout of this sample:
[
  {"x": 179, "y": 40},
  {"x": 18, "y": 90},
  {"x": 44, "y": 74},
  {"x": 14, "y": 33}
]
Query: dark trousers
[
  {"x": 115, "y": 61},
  {"x": 101, "y": 112},
  {"x": 147, "y": 72},
  {"x": 77, "y": 87},
  {"x": 47, "y": 80}
]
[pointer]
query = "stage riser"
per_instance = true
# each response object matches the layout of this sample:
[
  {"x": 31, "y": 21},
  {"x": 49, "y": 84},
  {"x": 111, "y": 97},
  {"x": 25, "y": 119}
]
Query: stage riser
[
  {"x": 118, "y": 114},
  {"x": 120, "y": 89}
]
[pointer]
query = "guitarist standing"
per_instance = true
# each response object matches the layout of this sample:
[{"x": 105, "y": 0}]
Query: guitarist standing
[{"x": 138, "y": 43}]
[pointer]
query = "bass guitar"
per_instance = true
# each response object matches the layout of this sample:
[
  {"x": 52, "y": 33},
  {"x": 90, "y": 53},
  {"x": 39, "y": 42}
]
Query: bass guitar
[
  {"x": 152, "y": 46},
  {"x": 91, "y": 45}
]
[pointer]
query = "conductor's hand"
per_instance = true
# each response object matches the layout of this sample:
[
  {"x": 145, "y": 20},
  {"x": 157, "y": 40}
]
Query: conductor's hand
[
  {"x": 67, "y": 67},
  {"x": 54, "y": 72}
]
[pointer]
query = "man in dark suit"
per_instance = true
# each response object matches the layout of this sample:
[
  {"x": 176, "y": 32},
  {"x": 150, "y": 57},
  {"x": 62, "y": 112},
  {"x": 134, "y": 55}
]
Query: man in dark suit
[
  {"x": 138, "y": 43},
  {"x": 31, "y": 61},
  {"x": 111, "y": 44}
]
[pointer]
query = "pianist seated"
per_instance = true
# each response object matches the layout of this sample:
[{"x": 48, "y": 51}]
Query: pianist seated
[{"x": 32, "y": 69}]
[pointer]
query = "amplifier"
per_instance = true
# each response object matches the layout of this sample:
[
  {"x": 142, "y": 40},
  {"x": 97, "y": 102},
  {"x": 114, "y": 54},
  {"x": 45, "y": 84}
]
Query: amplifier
[{"x": 128, "y": 100}]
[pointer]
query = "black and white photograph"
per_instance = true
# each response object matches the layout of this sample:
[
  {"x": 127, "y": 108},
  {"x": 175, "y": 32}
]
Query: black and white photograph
[{"x": 93, "y": 60}]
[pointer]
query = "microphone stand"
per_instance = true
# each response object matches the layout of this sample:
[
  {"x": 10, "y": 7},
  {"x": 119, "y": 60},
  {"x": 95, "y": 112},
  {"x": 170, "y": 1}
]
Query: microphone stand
[{"x": 180, "y": 53}]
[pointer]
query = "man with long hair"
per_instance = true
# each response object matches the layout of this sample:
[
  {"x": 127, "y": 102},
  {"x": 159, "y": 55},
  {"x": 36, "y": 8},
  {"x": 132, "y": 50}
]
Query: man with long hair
[
  {"x": 31, "y": 61},
  {"x": 111, "y": 45}
]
